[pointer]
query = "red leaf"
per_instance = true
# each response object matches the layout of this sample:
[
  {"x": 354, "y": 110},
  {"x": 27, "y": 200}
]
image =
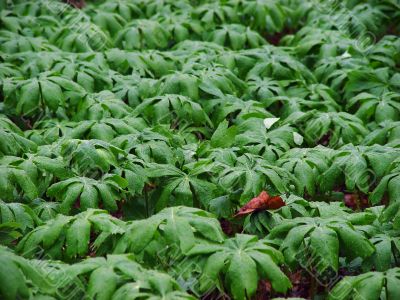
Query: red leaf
[
  {"x": 275, "y": 202},
  {"x": 261, "y": 202}
]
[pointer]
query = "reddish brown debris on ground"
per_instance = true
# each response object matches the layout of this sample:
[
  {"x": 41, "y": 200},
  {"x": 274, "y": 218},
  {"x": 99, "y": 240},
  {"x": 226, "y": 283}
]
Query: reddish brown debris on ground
[
  {"x": 300, "y": 282},
  {"x": 230, "y": 228},
  {"x": 261, "y": 202},
  {"x": 275, "y": 39},
  {"x": 356, "y": 201},
  {"x": 76, "y": 3}
]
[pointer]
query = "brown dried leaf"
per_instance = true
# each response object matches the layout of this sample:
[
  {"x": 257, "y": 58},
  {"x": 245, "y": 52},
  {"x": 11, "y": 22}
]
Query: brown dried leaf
[{"x": 261, "y": 202}]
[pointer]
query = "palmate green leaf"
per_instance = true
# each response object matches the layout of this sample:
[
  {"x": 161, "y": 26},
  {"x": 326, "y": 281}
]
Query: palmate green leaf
[
  {"x": 148, "y": 145},
  {"x": 134, "y": 175},
  {"x": 384, "y": 52},
  {"x": 146, "y": 64},
  {"x": 121, "y": 277},
  {"x": 388, "y": 184},
  {"x": 387, "y": 245},
  {"x": 33, "y": 8},
  {"x": 9, "y": 233},
  {"x": 270, "y": 143},
  {"x": 358, "y": 167},
  {"x": 372, "y": 81},
  {"x": 264, "y": 221},
  {"x": 252, "y": 174},
  {"x": 21, "y": 278},
  {"x": 307, "y": 165},
  {"x": 134, "y": 89},
  {"x": 223, "y": 136},
  {"x": 35, "y": 63},
  {"x": 70, "y": 237},
  {"x": 9, "y": 70},
  {"x": 242, "y": 260},
  {"x": 368, "y": 286},
  {"x": 18, "y": 213},
  {"x": 386, "y": 133},
  {"x": 215, "y": 80},
  {"x": 212, "y": 14},
  {"x": 263, "y": 15},
  {"x": 93, "y": 38},
  {"x": 89, "y": 74},
  {"x": 45, "y": 92},
  {"x": 105, "y": 129},
  {"x": 318, "y": 240},
  {"x": 12, "y": 141},
  {"x": 45, "y": 210},
  {"x": 10, "y": 21},
  {"x": 109, "y": 22},
  {"x": 181, "y": 26},
  {"x": 181, "y": 186},
  {"x": 142, "y": 34},
  {"x": 333, "y": 70},
  {"x": 172, "y": 109},
  {"x": 235, "y": 36},
  {"x": 89, "y": 192},
  {"x": 230, "y": 107},
  {"x": 262, "y": 89},
  {"x": 273, "y": 62},
  {"x": 312, "y": 40},
  {"x": 178, "y": 225},
  {"x": 392, "y": 213},
  {"x": 14, "y": 180},
  {"x": 195, "y": 80},
  {"x": 89, "y": 156},
  {"x": 338, "y": 128},
  {"x": 12, "y": 43},
  {"x": 318, "y": 95},
  {"x": 338, "y": 209},
  {"x": 126, "y": 9},
  {"x": 54, "y": 166},
  {"x": 378, "y": 108},
  {"x": 34, "y": 173},
  {"x": 234, "y": 126},
  {"x": 99, "y": 106},
  {"x": 180, "y": 83}
]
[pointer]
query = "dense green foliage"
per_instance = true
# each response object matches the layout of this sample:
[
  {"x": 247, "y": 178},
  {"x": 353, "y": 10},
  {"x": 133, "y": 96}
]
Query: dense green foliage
[{"x": 130, "y": 130}]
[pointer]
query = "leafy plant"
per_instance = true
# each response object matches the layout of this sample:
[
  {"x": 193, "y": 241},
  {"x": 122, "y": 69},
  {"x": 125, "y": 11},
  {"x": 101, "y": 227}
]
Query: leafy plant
[
  {"x": 314, "y": 243},
  {"x": 369, "y": 285},
  {"x": 70, "y": 237},
  {"x": 142, "y": 34},
  {"x": 238, "y": 264},
  {"x": 166, "y": 149},
  {"x": 20, "y": 277},
  {"x": 172, "y": 109},
  {"x": 378, "y": 108},
  {"x": 47, "y": 91},
  {"x": 181, "y": 225},
  {"x": 86, "y": 192},
  {"x": 236, "y": 37},
  {"x": 12, "y": 139},
  {"x": 124, "y": 278}
]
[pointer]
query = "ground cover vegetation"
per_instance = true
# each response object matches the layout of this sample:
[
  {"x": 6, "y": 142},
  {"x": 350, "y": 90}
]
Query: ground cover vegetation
[{"x": 199, "y": 149}]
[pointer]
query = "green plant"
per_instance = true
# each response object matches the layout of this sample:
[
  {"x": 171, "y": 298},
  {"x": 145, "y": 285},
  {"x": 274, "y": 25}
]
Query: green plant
[
  {"x": 370, "y": 285},
  {"x": 167, "y": 149},
  {"x": 238, "y": 263},
  {"x": 314, "y": 243},
  {"x": 70, "y": 237},
  {"x": 181, "y": 225}
]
